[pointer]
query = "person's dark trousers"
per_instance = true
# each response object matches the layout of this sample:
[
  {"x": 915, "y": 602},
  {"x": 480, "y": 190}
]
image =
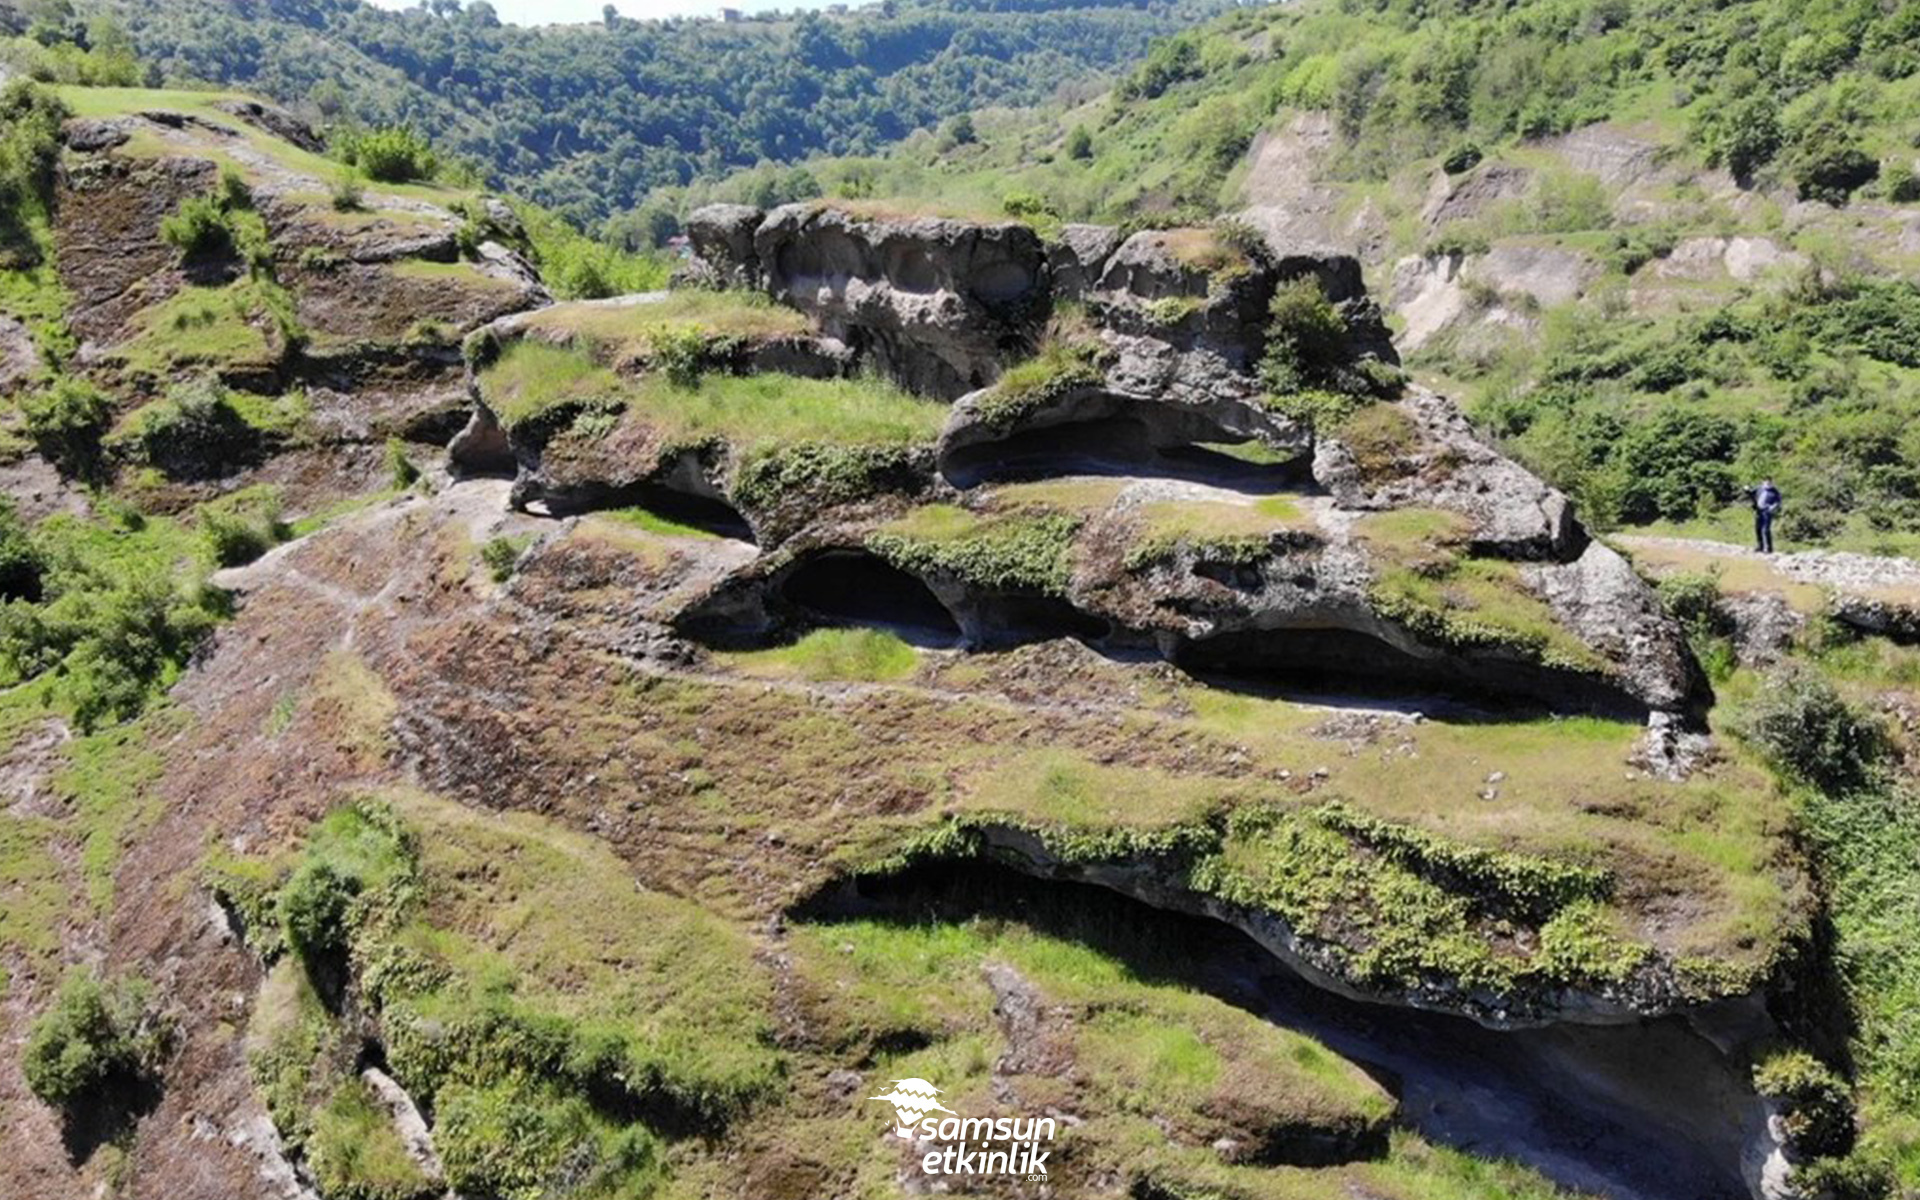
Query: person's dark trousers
[{"x": 1763, "y": 532}]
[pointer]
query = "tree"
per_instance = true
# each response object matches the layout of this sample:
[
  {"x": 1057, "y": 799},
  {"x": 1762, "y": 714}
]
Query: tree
[
  {"x": 961, "y": 130},
  {"x": 1079, "y": 143}
]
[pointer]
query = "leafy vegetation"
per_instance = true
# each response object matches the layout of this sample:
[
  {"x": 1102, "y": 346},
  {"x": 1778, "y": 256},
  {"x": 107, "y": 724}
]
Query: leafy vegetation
[
  {"x": 527, "y": 1067},
  {"x": 95, "y": 1035},
  {"x": 120, "y": 609},
  {"x": 1018, "y": 552}
]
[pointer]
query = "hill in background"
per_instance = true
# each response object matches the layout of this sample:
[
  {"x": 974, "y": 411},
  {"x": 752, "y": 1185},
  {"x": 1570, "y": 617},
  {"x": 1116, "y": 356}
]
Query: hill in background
[{"x": 587, "y": 118}]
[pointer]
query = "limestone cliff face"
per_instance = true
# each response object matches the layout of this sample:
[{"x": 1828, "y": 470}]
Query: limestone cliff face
[
  {"x": 940, "y": 305},
  {"x": 1497, "y": 588}
]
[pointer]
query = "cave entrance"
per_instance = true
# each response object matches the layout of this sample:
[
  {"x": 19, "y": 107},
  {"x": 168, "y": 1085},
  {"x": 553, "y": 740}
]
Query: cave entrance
[
  {"x": 1645, "y": 1111},
  {"x": 1127, "y": 446},
  {"x": 852, "y": 587},
  {"x": 1331, "y": 662},
  {"x": 679, "y": 507}
]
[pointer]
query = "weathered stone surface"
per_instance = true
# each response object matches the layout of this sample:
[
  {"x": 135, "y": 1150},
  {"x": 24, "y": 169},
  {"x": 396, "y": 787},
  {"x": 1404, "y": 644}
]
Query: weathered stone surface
[
  {"x": 1078, "y": 257},
  {"x": 276, "y": 121},
  {"x": 940, "y": 305},
  {"x": 722, "y": 235}
]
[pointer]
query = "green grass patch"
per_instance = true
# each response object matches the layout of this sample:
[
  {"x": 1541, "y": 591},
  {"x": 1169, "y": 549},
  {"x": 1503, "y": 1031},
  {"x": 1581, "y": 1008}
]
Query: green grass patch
[
  {"x": 1013, "y": 552},
  {"x": 862, "y": 655},
  {"x": 355, "y": 1152},
  {"x": 619, "y": 332},
  {"x": 1216, "y": 531},
  {"x": 645, "y": 519}
]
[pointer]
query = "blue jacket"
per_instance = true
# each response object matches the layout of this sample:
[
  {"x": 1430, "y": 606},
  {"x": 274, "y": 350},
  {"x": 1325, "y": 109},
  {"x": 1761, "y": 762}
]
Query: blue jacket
[{"x": 1766, "y": 499}]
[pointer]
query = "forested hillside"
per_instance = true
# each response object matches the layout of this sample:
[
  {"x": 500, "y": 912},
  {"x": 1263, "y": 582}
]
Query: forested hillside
[
  {"x": 586, "y": 119},
  {"x": 1662, "y": 250}
]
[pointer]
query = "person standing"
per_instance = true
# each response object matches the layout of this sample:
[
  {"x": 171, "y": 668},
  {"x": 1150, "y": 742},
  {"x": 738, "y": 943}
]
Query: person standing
[{"x": 1766, "y": 505}]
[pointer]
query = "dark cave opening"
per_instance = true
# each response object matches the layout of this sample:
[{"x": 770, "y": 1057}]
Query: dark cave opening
[
  {"x": 1327, "y": 661},
  {"x": 1643, "y": 1111},
  {"x": 1126, "y": 446},
  {"x": 852, "y": 587}
]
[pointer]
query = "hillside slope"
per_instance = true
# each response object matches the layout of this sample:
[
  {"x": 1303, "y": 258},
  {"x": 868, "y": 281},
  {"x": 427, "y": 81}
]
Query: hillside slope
[
  {"x": 454, "y": 742},
  {"x": 1662, "y": 252},
  {"x": 586, "y": 119}
]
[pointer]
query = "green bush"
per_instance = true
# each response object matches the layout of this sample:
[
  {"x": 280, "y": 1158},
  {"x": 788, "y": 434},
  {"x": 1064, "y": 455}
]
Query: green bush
[
  {"x": 1675, "y": 465},
  {"x": 199, "y": 229},
  {"x": 1079, "y": 143},
  {"x": 314, "y": 906},
  {"x": 95, "y": 1035},
  {"x": 66, "y": 421},
  {"x": 355, "y": 1153},
  {"x": 1832, "y": 173},
  {"x": 241, "y": 527},
  {"x": 1307, "y": 348},
  {"x": 347, "y": 195},
  {"x": 510, "y": 1140},
  {"x": 389, "y": 154},
  {"x": 1816, "y": 1104},
  {"x": 1809, "y": 730},
  {"x": 400, "y": 466},
  {"x": 20, "y": 561},
  {"x": 501, "y": 555},
  {"x": 30, "y": 120},
  {"x": 1462, "y": 158}
]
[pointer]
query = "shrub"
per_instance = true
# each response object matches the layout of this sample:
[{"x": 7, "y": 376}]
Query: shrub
[
  {"x": 355, "y": 1152},
  {"x": 501, "y": 555},
  {"x": 20, "y": 562},
  {"x": 1027, "y": 206},
  {"x": 232, "y": 191},
  {"x": 65, "y": 422},
  {"x": 1810, "y": 731},
  {"x": 1307, "y": 347},
  {"x": 314, "y": 906},
  {"x": 347, "y": 195},
  {"x": 1462, "y": 158},
  {"x": 195, "y": 425},
  {"x": 199, "y": 229},
  {"x": 400, "y": 467},
  {"x": 389, "y": 154},
  {"x": 241, "y": 527},
  {"x": 94, "y": 1035},
  {"x": 1169, "y": 62},
  {"x": 1079, "y": 143},
  {"x": 1816, "y": 1105},
  {"x": 1899, "y": 183},
  {"x": 30, "y": 120},
  {"x": 1832, "y": 173},
  {"x": 128, "y": 641},
  {"x": 1693, "y": 599},
  {"x": 1674, "y": 464},
  {"x": 1743, "y": 135}
]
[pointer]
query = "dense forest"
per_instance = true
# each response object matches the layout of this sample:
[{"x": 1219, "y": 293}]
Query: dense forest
[{"x": 587, "y": 119}]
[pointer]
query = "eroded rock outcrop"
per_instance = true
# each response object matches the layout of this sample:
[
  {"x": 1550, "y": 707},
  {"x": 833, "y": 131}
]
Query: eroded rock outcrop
[
  {"x": 1384, "y": 540},
  {"x": 941, "y": 305}
]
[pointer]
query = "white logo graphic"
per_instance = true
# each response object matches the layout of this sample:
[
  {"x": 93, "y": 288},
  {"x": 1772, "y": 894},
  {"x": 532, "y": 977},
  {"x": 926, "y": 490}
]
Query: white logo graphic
[
  {"x": 912, "y": 1099},
  {"x": 968, "y": 1145}
]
